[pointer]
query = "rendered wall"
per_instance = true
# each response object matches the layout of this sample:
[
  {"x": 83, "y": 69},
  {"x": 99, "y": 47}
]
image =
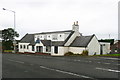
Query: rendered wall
[
  {"x": 94, "y": 46},
  {"x": 76, "y": 50}
]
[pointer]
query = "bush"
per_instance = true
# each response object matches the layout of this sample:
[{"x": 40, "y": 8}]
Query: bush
[
  {"x": 85, "y": 53},
  {"x": 8, "y": 51},
  {"x": 69, "y": 53}
]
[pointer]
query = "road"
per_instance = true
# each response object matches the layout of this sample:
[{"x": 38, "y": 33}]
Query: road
[{"x": 42, "y": 66}]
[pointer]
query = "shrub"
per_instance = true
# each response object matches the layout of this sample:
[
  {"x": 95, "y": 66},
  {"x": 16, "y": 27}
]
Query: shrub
[
  {"x": 69, "y": 53},
  {"x": 8, "y": 51},
  {"x": 85, "y": 53}
]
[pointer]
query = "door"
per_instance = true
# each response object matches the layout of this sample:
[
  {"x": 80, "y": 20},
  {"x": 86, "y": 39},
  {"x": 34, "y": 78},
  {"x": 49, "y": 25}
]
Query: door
[
  {"x": 56, "y": 49},
  {"x": 39, "y": 48},
  {"x": 101, "y": 49}
]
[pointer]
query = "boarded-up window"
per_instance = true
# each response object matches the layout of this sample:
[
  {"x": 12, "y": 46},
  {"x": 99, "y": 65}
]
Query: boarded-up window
[{"x": 54, "y": 37}]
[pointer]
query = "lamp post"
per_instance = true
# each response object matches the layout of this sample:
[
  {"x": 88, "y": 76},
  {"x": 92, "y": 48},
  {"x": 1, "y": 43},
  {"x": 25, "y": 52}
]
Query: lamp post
[{"x": 14, "y": 42}]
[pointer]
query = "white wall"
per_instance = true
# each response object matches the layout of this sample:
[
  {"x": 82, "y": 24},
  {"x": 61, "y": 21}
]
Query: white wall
[
  {"x": 76, "y": 50},
  {"x": 22, "y": 49},
  {"x": 38, "y": 44},
  {"x": 61, "y": 51},
  {"x": 30, "y": 49},
  {"x": 105, "y": 47},
  {"x": 93, "y": 46},
  {"x": 51, "y": 36}
]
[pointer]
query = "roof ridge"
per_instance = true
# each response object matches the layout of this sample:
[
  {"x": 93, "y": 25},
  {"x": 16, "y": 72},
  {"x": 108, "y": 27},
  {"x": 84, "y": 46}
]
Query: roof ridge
[{"x": 53, "y": 32}]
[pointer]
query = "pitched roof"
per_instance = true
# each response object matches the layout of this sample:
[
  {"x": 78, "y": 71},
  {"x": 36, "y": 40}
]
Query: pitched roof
[
  {"x": 28, "y": 38},
  {"x": 54, "y": 32},
  {"x": 81, "y": 41},
  {"x": 57, "y": 43},
  {"x": 46, "y": 42}
]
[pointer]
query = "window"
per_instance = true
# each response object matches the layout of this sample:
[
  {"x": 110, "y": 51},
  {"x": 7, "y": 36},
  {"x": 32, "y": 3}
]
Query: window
[
  {"x": 103, "y": 44},
  {"x": 48, "y": 49},
  {"x": 54, "y": 37},
  {"x": 27, "y": 47},
  {"x": 24, "y": 46},
  {"x": 60, "y": 35},
  {"x": 20, "y": 46},
  {"x": 45, "y": 37},
  {"x": 32, "y": 48}
]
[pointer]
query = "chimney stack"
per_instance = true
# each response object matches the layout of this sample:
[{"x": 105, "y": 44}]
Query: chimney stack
[
  {"x": 76, "y": 22},
  {"x": 75, "y": 26}
]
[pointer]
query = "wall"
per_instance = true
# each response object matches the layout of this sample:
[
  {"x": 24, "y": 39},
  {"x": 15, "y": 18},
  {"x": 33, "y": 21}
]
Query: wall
[
  {"x": 94, "y": 46},
  {"x": 52, "y": 35},
  {"x": 30, "y": 49},
  {"x": 39, "y": 44},
  {"x": 22, "y": 49},
  {"x": 105, "y": 47},
  {"x": 76, "y": 50},
  {"x": 61, "y": 51}
]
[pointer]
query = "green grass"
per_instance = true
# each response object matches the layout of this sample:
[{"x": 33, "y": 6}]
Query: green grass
[{"x": 109, "y": 55}]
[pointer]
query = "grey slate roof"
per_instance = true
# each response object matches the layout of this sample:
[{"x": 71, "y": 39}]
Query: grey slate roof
[
  {"x": 55, "y": 32},
  {"x": 28, "y": 38},
  {"x": 81, "y": 41},
  {"x": 46, "y": 42},
  {"x": 57, "y": 43}
]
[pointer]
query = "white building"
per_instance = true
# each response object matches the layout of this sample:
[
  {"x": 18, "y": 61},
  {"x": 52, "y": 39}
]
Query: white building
[
  {"x": 0, "y": 35},
  {"x": 104, "y": 47},
  {"x": 59, "y": 42}
]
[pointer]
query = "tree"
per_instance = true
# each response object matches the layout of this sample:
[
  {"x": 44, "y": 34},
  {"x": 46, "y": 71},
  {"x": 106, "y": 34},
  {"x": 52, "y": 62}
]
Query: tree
[{"x": 9, "y": 34}]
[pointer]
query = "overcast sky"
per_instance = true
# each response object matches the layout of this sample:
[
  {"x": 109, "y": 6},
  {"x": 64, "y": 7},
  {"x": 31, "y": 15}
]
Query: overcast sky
[{"x": 98, "y": 17}]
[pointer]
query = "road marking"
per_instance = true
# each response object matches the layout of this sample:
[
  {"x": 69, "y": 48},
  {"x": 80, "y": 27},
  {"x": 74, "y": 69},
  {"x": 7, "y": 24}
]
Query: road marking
[
  {"x": 118, "y": 64},
  {"x": 16, "y": 61},
  {"x": 106, "y": 63},
  {"x": 89, "y": 61},
  {"x": 25, "y": 71},
  {"x": 75, "y": 60},
  {"x": 107, "y": 69},
  {"x": 79, "y": 60},
  {"x": 65, "y": 72},
  {"x": 98, "y": 62}
]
